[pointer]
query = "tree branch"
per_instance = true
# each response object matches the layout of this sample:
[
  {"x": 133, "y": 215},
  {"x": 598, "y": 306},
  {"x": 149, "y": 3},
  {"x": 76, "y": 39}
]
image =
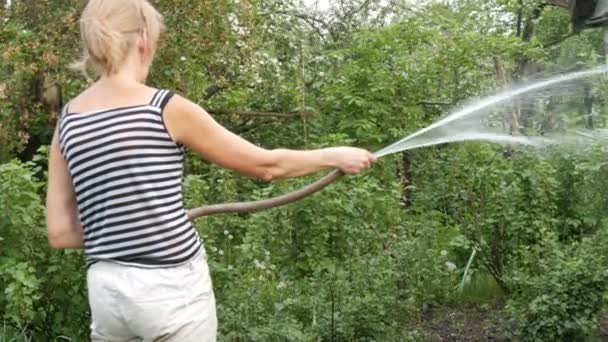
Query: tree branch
[
  {"x": 434, "y": 103},
  {"x": 212, "y": 91},
  {"x": 310, "y": 20},
  {"x": 354, "y": 11},
  {"x": 558, "y": 3},
  {"x": 559, "y": 40},
  {"x": 259, "y": 114}
]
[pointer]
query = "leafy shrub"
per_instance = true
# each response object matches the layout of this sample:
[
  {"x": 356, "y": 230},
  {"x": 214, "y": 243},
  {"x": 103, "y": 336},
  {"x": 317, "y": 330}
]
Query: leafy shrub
[
  {"x": 42, "y": 289},
  {"x": 563, "y": 301},
  {"x": 504, "y": 204},
  {"x": 335, "y": 266},
  {"x": 19, "y": 218}
]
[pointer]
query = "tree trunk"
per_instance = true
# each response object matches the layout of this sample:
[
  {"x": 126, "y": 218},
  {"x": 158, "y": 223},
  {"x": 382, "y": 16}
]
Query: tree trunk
[
  {"x": 519, "y": 18},
  {"x": 525, "y": 112},
  {"x": 406, "y": 179},
  {"x": 511, "y": 118},
  {"x": 50, "y": 95},
  {"x": 550, "y": 119}
]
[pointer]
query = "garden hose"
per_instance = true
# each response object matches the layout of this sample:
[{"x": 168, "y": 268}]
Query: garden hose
[{"x": 252, "y": 206}]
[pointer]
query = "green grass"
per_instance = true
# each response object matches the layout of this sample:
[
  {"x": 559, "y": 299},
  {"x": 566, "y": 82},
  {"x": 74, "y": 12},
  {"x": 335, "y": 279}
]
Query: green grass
[
  {"x": 19, "y": 334},
  {"x": 12, "y": 334},
  {"x": 482, "y": 289}
]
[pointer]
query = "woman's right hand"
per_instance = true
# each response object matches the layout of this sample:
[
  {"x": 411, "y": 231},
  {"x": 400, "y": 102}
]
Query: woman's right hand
[{"x": 351, "y": 160}]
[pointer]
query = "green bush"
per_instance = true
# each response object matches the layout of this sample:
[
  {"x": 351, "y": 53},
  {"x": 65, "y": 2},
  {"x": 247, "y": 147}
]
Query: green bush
[
  {"x": 335, "y": 266},
  {"x": 42, "y": 290},
  {"x": 565, "y": 299},
  {"x": 365, "y": 258}
]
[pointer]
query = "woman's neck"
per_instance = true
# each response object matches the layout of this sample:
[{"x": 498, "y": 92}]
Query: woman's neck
[{"x": 129, "y": 73}]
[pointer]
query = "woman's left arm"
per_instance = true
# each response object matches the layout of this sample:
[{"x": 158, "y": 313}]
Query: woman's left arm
[{"x": 63, "y": 225}]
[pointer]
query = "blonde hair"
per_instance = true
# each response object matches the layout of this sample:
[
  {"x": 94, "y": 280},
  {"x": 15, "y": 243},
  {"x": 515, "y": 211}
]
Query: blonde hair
[{"x": 108, "y": 29}]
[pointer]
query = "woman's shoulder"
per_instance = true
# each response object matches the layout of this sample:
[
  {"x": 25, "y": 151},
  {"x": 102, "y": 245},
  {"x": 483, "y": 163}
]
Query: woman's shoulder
[{"x": 99, "y": 98}]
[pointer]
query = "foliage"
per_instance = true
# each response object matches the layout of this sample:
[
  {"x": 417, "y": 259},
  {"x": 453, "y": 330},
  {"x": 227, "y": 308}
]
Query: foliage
[
  {"x": 43, "y": 290},
  {"x": 565, "y": 299},
  {"x": 365, "y": 259},
  {"x": 343, "y": 249},
  {"x": 503, "y": 204}
]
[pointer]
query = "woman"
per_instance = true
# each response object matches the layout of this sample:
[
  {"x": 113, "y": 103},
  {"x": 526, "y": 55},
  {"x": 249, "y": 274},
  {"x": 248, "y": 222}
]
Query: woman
[{"x": 115, "y": 173}]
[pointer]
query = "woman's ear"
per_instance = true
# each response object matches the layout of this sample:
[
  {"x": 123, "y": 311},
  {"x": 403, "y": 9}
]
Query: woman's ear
[{"x": 143, "y": 44}]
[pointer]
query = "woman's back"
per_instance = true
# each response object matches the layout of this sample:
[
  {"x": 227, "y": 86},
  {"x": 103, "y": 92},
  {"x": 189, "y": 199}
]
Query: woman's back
[{"x": 127, "y": 174}]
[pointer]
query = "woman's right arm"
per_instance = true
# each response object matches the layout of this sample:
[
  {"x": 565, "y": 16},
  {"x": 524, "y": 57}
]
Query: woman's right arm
[{"x": 192, "y": 126}]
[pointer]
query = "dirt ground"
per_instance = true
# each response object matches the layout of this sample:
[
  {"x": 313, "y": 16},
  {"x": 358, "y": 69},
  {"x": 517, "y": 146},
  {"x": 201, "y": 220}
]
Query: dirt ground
[
  {"x": 603, "y": 330},
  {"x": 477, "y": 324},
  {"x": 469, "y": 324}
]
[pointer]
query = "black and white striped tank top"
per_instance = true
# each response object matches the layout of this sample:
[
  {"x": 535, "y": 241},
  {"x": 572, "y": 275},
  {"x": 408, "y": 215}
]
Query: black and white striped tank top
[{"x": 127, "y": 175}]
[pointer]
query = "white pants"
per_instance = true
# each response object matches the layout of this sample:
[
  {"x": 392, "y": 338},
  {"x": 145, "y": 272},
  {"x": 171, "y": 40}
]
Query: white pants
[{"x": 152, "y": 304}]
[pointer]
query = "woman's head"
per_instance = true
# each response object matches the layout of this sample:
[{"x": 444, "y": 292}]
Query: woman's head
[{"x": 115, "y": 31}]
